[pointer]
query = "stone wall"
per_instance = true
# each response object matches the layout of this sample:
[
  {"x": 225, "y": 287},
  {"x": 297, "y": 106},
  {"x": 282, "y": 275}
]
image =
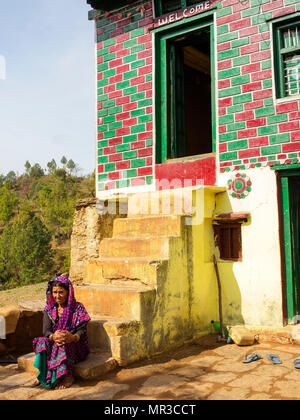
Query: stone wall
[
  {"x": 93, "y": 221},
  {"x": 22, "y": 323}
]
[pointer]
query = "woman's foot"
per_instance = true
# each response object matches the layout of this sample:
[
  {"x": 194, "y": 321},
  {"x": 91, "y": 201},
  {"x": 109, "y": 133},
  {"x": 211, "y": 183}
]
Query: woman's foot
[
  {"x": 66, "y": 382},
  {"x": 36, "y": 382}
]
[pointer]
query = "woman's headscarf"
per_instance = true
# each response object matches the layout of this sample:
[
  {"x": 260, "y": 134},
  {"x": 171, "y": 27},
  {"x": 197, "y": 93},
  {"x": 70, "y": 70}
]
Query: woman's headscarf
[{"x": 74, "y": 313}]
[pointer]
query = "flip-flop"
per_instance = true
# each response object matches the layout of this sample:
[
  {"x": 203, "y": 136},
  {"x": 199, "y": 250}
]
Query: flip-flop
[
  {"x": 297, "y": 363},
  {"x": 274, "y": 359},
  {"x": 252, "y": 358}
]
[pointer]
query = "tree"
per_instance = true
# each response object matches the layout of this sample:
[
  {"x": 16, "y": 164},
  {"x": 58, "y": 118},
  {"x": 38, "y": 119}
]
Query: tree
[
  {"x": 63, "y": 161},
  {"x": 51, "y": 166},
  {"x": 36, "y": 171},
  {"x": 8, "y": 201},
  {"x": 57, "y": 207},
  {"x": 26, "y": 255},
  {"x": 60, "y": 173},
  {"x": 11, "y": 179},
  {"x": 27, "y": 167},
  {"x": 71, "y": 166}
]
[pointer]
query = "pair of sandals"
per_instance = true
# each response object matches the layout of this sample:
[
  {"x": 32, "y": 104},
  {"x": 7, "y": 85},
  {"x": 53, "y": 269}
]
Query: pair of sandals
[{"x": 272, "y": 357}]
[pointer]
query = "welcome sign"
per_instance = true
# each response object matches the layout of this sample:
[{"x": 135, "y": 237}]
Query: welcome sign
[{"x": 184, "y": 13}]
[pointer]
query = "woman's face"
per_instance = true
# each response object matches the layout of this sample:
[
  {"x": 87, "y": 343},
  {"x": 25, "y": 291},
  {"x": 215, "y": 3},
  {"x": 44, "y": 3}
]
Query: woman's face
[{"x": 60, "y": 295}]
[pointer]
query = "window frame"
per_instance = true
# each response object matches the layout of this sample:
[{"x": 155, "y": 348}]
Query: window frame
[
  {"x": 162, "y": 37},
  {"x": 232, "y": 230},
  {"x": 279, "y": 52}
]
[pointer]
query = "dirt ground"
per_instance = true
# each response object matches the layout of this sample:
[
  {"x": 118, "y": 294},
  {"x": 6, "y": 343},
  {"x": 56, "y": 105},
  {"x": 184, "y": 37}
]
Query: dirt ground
[{"x": 25, "y": 293}]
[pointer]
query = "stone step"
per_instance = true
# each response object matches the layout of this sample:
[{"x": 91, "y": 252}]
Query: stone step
[
  {"x": 102, "y": 330},
  {"x": 96, "y": 365},
  {"x": 147, "y": 226},
  {"x": 130, "y": 271},
  {"x": 115, "y": 301},
  {"x": 168, "y": 202},
  {"x": 154, "y": 247}
]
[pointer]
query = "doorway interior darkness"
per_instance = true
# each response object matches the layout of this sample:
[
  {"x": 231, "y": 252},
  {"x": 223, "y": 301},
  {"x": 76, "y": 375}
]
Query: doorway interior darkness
[
  {"x": 185, "y": 116},
  {"x": 190, "y": 95}
]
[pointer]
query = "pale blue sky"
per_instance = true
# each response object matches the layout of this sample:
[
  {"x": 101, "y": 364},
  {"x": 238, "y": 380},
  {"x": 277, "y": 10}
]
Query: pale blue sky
[{"x": 47, "y": 98}]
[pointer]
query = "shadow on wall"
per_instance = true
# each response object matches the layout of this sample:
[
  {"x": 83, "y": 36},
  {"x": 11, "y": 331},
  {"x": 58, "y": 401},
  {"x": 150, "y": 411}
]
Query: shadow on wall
[{"x": 231, "y": 293}]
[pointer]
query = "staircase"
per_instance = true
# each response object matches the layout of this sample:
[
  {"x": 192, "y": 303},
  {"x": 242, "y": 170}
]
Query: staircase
[{"x": 137, "y": 292}]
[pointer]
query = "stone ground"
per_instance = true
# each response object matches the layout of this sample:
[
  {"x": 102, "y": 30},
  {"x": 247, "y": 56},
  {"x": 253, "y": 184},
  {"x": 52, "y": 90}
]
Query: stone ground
[{"x": 201, "y": 371}]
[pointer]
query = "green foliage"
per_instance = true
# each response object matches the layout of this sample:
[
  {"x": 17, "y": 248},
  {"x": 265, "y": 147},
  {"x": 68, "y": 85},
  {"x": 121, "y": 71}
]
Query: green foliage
[
  {"x": 36, "y": 171},
  {"x": 63, "y": 161},
  {"x": 26, "y": 255},
  {"x": 51, "y": 166},
  {"x": 10, "y": 179},
  {"x": 67, "y": 262},
  {"x": 57, "y": 206},
  {"x": 8, "y": 201},
  {"x": 36, "y": 220}
]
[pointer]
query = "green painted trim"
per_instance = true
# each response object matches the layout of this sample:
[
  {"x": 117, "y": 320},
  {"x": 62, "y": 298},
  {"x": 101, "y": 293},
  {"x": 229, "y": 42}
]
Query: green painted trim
[
  {"x": 213, "y": 90},
  {"x": 290, "y": 269},
  {"x": 162, "y": 38},
  {"x": 283, "y": 18},
  {"x": 278, "y": 26},
  {"x": 285, "y": 167},
  {"x": 287, "y": 248}
]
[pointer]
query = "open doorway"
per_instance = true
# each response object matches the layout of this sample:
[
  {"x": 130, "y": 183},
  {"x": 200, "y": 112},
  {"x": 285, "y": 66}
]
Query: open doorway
[{"x": 190, "y": 95}]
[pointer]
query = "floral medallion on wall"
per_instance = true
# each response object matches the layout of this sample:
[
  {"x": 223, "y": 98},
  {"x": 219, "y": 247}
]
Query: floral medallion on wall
[{"x": 239, "y": 186}]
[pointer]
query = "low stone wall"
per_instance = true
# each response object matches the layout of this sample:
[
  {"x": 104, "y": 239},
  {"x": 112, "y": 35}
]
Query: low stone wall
[
  {"x": 22, "y": 323},
  {"x": 93, "y": 221}
]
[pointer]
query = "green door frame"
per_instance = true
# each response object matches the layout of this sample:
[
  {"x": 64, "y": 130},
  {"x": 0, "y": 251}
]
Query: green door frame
[
  {"x": 162, "y": 38},
  {"x": 291, "y": 303}
]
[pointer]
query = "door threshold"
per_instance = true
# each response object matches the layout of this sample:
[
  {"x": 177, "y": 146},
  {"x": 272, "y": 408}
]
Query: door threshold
[{"x": 190, "y": 158}]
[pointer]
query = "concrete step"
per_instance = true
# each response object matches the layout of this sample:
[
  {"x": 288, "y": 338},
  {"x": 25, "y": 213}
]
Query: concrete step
[
  {"x": 118, "y": 271},
  {"x": 147, "y": 226},
  {"x": 115, "y": 301},
  {"x": 96, "y": 365},
  {"x": 168, "y": 202},
  {"x": 102, "y": 330},
  {"x": 153, "y": 248}
]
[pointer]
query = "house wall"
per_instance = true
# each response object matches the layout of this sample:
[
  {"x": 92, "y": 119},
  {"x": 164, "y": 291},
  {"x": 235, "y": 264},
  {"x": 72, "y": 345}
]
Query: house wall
[
  {"x": 255, "y": 131},
  {"x": 124, "y": 98},
  {"x": 257, "y": 277},
  {"x": 253, "y": 127}
]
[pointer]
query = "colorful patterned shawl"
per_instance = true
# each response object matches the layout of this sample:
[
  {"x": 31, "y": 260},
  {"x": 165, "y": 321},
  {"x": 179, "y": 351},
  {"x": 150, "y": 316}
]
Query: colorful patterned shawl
[
  {"x": 74, "y": 312},
  {"x": 52, "y": 361}
]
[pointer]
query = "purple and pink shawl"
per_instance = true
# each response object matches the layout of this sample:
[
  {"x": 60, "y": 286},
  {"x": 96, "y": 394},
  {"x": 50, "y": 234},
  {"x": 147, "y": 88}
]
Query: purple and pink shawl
[{"x": 61, "y": 359}]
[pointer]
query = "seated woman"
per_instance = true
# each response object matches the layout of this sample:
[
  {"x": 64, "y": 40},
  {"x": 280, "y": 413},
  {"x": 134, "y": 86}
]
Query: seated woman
[{"x": 65, "y": 339}]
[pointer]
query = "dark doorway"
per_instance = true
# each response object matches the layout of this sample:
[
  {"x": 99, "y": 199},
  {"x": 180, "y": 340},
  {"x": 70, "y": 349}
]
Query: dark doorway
[{"x": 190, "y": 110}]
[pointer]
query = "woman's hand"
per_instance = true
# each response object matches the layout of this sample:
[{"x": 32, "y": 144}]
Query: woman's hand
[{"x": 63, "y": 337}]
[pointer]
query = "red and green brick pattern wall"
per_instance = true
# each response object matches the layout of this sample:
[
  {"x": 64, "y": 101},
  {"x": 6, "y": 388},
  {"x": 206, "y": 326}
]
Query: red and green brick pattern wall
[
  {"x": 253, "y": 129},
  {"x": 124, "y": 97}
]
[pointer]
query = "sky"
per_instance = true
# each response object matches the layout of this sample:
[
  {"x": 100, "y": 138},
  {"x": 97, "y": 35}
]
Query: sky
[{"x": 47, "y": 84}]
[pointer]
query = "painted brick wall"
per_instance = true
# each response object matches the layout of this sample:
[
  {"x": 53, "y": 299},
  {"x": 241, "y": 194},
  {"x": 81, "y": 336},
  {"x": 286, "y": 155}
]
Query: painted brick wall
[
  {"x": 253, "y": 130},
  {"x": 124, "y": 60}
]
